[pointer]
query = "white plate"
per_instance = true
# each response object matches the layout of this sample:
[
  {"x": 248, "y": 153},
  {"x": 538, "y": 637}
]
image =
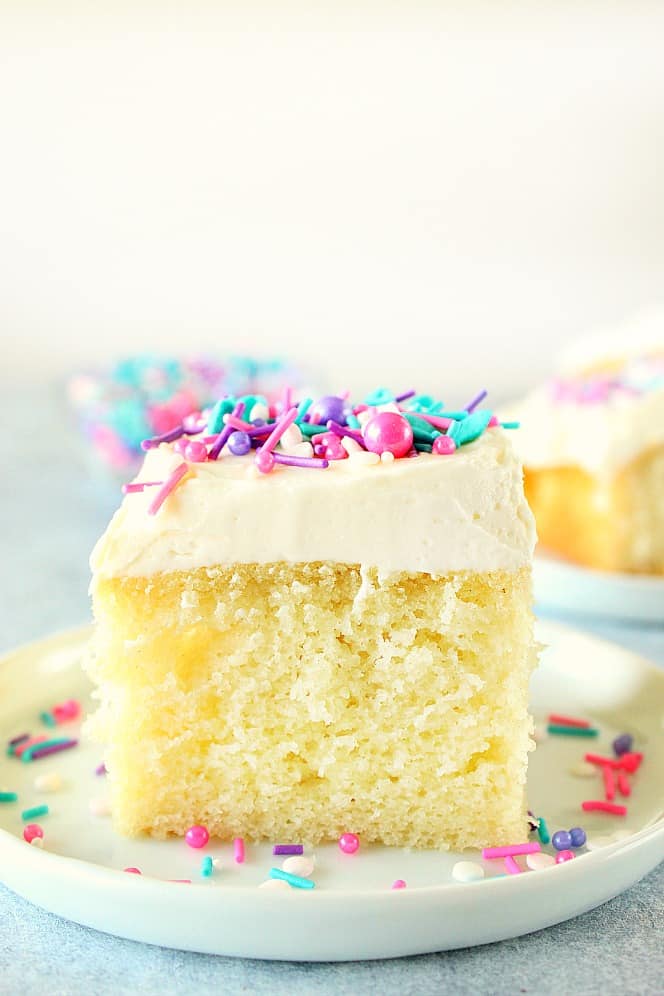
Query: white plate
[
  {"x": 570, "y": 588},
  {"x": 353, "y": 913}
]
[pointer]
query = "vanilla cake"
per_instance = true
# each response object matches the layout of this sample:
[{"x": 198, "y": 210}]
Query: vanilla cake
[
  {"x": 324, "y": 632},
  {"x": 592, "y": 444}
]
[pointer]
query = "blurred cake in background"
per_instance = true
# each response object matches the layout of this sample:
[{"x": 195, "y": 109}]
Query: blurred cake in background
[
  {"x": 592, "y": 444},
  {"x": 147, "y": 395}
]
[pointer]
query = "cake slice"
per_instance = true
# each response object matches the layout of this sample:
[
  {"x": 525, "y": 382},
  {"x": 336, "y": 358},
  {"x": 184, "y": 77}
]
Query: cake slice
[{"x": 288, "y": 652}]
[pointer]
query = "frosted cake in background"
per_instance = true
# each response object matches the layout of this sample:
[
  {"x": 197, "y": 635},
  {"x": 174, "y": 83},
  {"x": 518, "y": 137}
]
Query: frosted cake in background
[
  {"x": 318, "y": 620},
  {"x": 592, "y": 444}
]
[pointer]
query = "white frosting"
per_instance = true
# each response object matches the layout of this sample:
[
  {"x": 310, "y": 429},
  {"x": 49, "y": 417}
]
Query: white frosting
[{"x": 429, "y": 514}]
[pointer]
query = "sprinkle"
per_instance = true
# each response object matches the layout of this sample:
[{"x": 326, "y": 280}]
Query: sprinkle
[
  {"x": 598, "y": 759},
  {"x": 133, "y": 871},
  {"x": 46, "y": 748},
  {"x": 405, "y": 396},
  {"x": 66, "y": 711},
  {"x": 349, "y": 843},
  {"x": 207, "y": 866},
  {"x": 301, "y": 461},
  {"x": 511, "y": 865},
  {"x": 363, "y": 458},
  {"x": 295, "y": 880},
  {"x": 467, "y": 871},
  {"x": 169, "y": 485},
  {"x": 510, "y": 850},
  {"x": 241, "y": 426},
  {"x": 278, "y": 430},
  {"x": 197, "y": 836},
  {"x": 30, "y": 742},
  {"x": 226, "y": 432},
  {"x": 342, "y": 430},
  {"x": 622, "y": 744},
  {"x": 598, "y": 805},
  {"x": 238, "y": 850},
  {"x": 137, "y": 486},
  {"x": 311, "y": 430},
  {"x": 583, "y": 770},
  {"x": 48, "y": 719},
  {"x": 562, "y": 840},
  {"x": 51, "y": 782},
  {"x": 536, "y": 862},
  {"x": 558, "y": 720},
  {"x": 180, "y": 881},
  {"x": 288, "y": 849},
  {"x": 623, "y": 784},
  {"x": 477, "y": 400},
  {"x": 33, "y": 833},
  {"x": 299, "y": 864},
  {"x": 15, "y": 741},
  {"x": 511, "y": 425},
  {"x": 572, "y": 731},
  {"x": 399, "y": 884},
  {"x": 8, "y": 796},
  {"x": 353, "y": 421},
  {"x": 609, "y": 783},
  {"x": 304, "y": 407},
  {"x": 563, "y": 856},
  {"x": 166, "y": 437},
  {"x": 631, "y": 761},
  {"x": 543, "y": 831},
  {"x": 34, "y": 811},
  {"x": 101, "y": 769}
]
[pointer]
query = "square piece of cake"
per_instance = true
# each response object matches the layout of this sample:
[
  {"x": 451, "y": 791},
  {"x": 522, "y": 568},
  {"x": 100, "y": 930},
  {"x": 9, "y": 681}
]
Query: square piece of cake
[{"x": 313, "y": 636}]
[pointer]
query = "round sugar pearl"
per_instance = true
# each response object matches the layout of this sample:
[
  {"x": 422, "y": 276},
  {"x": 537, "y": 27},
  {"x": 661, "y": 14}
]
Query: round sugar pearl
[
  {"x": 388, "y": 431},
  {"x": 623, "y": 744},
  {"x": 399, "y": 884},
  {"x": 133, "y": 871},
  {"x": 32, "y": 831},
  {"x": 330, "y": 406},
  {"x": 239, "y": 443},
  {"x": 467, "y": 871},
  {"x": 275, "y": 883},
  {"x": 197, "y": 836},
  {"x": 387, "y": 457},
  {"x": 561, "y": 840},
  {"x": 539, "y": 860},
  {"x": 66, "y": 710},
  {"x": 264, "y": 461},
  {"x": 443, "y": 445},
  {"x": 578, "y": 836},
  {"x": 349, "y": 843},
  {"x": 195, "y": 451},
  {"x": 299, "y": 864},
  {"x": 563, "y": 856},
  {"x": 48, "y": 783}
]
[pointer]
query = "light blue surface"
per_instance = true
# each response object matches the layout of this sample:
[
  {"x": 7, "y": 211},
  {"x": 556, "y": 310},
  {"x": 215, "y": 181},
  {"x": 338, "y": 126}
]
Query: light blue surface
[{"x": 52, "y": 512}]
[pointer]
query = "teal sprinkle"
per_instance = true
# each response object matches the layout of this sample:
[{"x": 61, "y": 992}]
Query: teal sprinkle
[
  {"x": 206, "y": 866},
  {"x": 470, "y": 428},
  {"x": 543, "y": 831},
  {"x": 27, "y": 754},
  {"x": 423, "y": 447},
  {"x": 422, "y": 430},
  {"x": 353, "y": 421},
  {"x": 34, "y": 812},
  {"x": 295, "y": 880},
  {"x": 8, "y": 796},
  {"x": 457, "y": 416},
  {"x": 216, "y": 420},
  {"x": 511, "y": 425},
  {"x": 47, "y": 719},
  {"x": 423, "y": 403},
  {"x": 304, "y": 407},
  {"x": 572, "y": 731},
  {"x": 311, "y": 430},
  {"x": 381, "y": 396}
]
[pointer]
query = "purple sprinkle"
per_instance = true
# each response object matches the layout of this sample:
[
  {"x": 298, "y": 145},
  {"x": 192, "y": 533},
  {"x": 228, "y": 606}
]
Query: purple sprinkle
[
  {"x": 225, "y": 433},
  {"x": 192, "y": 425},
  {"x": 101, "y": 769},
  {"x": 341, "y": 431},
  {"x": 53, "y": 749},
  {"x": 288, "y": 849},
  {"x": 15, "y": 741},
  {"x": 296, "y": 461},
  {"x": 167, "y": 437},
  {"x": 405, "y": 396},
  {"x": 476, "y": 401}
]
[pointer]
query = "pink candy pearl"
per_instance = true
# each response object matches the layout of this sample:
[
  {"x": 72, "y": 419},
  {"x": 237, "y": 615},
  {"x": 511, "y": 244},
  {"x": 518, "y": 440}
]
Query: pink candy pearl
[
  {"x": 195, "y": 451},
  {"x": 443, "y": 445},
  {"x": 197, "y": 836},
  {"x": 31, "y": 831},
  {"x": 399, "y": 884},
  {"x": 264, "y": 461},
  {"x": 388, "y": 432},
  {"x": 328, "y": 445},
  {"x": 180, "y": 445},
  {"x": 562, "y": 856},
  {"x": 349, "y": 843}
]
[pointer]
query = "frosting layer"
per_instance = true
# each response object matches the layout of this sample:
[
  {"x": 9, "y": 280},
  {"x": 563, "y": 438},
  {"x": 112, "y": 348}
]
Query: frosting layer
[{"x": 431, "y": 514}]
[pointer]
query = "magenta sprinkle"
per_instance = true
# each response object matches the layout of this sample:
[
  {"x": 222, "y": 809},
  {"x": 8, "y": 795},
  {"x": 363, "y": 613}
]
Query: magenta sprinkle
[
  {"x": 166, "y": 437},
  {"x": 251, "y": 430},
  {"x": 437, "y": 421},
  {"x": 405, "y": 396},
  {"x": 278, "y": 430},
  {"x": 226, "y": 433},
  {"x": 132, "y": 489},
  {"x": 53, "y": 749},
  {"x": 101, "y": 769},
  {"x": 477, "y": 400},
  {"x": 169, "y": 485},
  {"x": 288, "y": 849},
  {"x": 342, "y": 430},
  {"x": 296, "y": 461},
  {"x": 15, "y": 741}
]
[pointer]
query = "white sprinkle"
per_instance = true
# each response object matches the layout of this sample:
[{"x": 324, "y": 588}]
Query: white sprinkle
[
  {"x": 387, "y": 457},
  {"x": 304, "y": 449},
  {"x": 363, "y": 457},
  {"x": 275, "y": 883},
  {"x": 259, "y": 411},
  {"x": 389, "y": 406},
  {"x": 291, "y": 438},
  {"x": 216, "y": 862},
  {"x": 467, "y": 871},
  {"x": 351, "y": 445},
  {"x": 299, "y": 864},
  {"x": 100, "y": 807},
  {"x": 363, "y": 417},
  {"x": 37, "y": 842},
  {"x": 539, "y": 860},
  {"x": 583, "y": 769},
  {"x": 48, "y": 783}
]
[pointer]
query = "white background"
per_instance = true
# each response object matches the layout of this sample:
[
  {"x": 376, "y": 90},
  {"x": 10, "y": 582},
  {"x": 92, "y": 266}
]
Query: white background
[{"x": 436, "y": 195}]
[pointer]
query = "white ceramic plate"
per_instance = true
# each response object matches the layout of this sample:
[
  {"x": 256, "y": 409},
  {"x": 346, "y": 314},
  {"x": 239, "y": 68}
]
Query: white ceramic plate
[
  {"x": 353, "y": 912},
  {"x": 570, "y": 588}
]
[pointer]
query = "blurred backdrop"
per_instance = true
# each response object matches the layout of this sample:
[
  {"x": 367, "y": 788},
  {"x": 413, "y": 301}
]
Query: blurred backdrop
[{"x": 428, "y": 194}]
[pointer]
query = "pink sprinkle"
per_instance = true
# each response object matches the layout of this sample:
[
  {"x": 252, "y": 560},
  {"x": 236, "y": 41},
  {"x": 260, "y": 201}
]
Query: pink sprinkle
[
  {"x": 342, "y": 430},
  {"x": 65, "y": 711},
  {"x": 238, "y": 849},
  {"x": 598, "y": 805},
  {"x": 225, "y": 433},
  {"x": 438, "y": 421},
  {"x": 182, "y": 881},
  {"x": 242, "y": 426},
  {"x": 399, "y": 884},
  {"x": 609, "y": 783},
  {"x": 138, "y": 486},
  {"x": 169, "y": 485},
  {"x": 133, "y": 871},
  {"x": 599, "y": 759},
  {"x": 511, "y": 865},
  {"x": 278, "y": 430},
  {"x": 563, "y": 856},
  {"x": 32, "y": 831},
  {"x": 511, "y": 849},
  {"x": 558, "y": 720},
  {"x": 623, "y": 784},
  {"x": 23, "y": 746}
]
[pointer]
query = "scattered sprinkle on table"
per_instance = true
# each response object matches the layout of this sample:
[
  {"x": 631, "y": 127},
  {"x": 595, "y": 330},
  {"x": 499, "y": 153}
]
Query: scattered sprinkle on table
[
  {"x": 34, "y": 811},
  {"x": 557, "y": 730},
  {"x": 467, "y": 871},
  {"x": 295, "y": 880}
]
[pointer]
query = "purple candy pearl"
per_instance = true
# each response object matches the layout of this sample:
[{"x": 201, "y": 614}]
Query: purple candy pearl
[
  {"x": 623, "y": 744},
  {"x": 562, "y": 840},
  {"x": 578, "y": 836},
  {"x": 329, "y": 407},
  {"x": 239, "y": 443}
]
